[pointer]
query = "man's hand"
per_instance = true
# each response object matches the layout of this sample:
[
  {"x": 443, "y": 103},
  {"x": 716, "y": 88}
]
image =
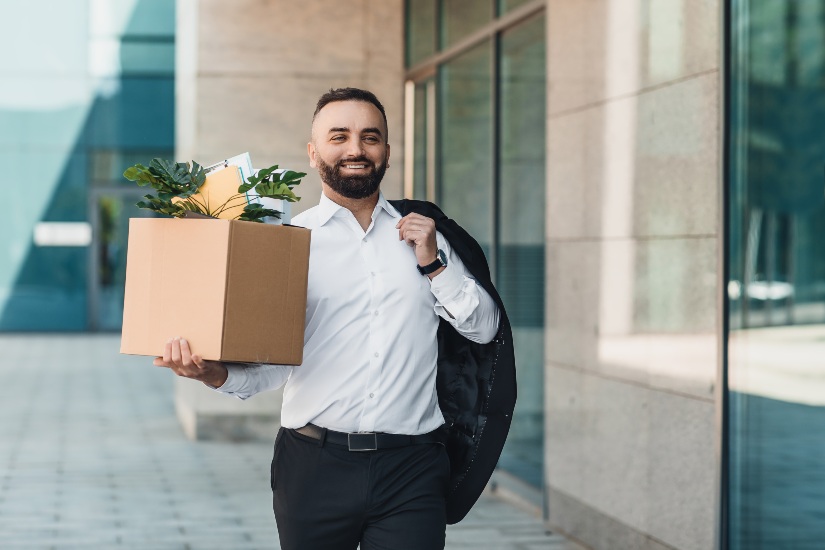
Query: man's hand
[
  {"x": 419, "y": 232},
  {"x": 178, "y": 356}
]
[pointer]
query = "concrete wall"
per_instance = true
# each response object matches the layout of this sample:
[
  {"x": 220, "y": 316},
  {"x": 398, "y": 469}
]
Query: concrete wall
[
  {"x": 250, "y": 71},
  {"x": 248, "y": 75},
  {"x": 633, "y": 187}
]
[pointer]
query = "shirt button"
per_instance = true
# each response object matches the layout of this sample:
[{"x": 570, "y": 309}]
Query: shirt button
[
  {"x": 372, "y": 395},
  {"x": 376, "y": 354},
  {"x": 376, "y": 312}
]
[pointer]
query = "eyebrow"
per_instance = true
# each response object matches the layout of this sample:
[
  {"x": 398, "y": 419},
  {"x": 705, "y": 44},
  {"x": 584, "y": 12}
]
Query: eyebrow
[{"x": 364, "y": 131}]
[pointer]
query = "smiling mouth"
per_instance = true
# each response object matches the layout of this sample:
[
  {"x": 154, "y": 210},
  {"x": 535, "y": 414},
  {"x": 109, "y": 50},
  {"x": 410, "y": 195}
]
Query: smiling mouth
[{"x": 355, "y": 166}]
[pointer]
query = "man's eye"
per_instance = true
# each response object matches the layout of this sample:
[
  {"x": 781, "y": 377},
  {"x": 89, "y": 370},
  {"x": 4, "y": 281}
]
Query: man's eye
[
  {"x": 337, "y": 138},
  {"x": 371, "y": 139}
]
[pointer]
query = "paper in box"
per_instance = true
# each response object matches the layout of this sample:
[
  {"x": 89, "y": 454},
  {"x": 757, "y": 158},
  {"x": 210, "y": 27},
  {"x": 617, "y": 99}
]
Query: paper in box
[
  {"x": 235, "y": 290},
  {"x": 220, "y": 186}
]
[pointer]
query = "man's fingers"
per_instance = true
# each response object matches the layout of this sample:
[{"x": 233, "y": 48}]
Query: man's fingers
[
  {"x": 417, "y": 234},
  {"x": 411, "y": 216},
  {"x": 185, "y": 353},
  {"x": 413, "y": 221},
  {"x": 167, "y": 351},
  {"x": 177, "y": 356},
  {"x": 176, "y": 351}
]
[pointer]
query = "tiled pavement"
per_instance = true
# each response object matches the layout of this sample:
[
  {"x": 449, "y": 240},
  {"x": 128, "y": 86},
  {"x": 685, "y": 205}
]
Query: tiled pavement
[{"x": 92, "y": 457}]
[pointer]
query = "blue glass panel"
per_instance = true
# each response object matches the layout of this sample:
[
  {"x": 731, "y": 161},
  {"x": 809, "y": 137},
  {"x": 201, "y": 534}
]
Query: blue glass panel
[
  {"x": 421, "y": 26},
  {"x": 42, "y": 287},
  {"x": 465, "y": 155},
  {"x": 459, "y": 18},
  {"x": 44, "y": 37},
  {"x": 140, "y": 115},
  {"x": 776, "y": 290},
  {"x": 150, "y": 18},
  {"x": 140, "y": 58},
  {"x": 420, "y": 144},
  {"x": 520, "y": 256},
  {"x": 58, "y": 123},
  {"x": 87, "y": 94}
]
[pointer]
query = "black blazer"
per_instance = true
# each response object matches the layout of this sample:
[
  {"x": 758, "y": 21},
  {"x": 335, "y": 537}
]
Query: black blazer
[{"x": 476, "y": 383}]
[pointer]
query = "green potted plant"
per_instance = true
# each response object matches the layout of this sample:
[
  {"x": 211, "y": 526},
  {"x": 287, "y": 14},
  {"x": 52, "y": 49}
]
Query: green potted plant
[{"x": 177, "y": 185}]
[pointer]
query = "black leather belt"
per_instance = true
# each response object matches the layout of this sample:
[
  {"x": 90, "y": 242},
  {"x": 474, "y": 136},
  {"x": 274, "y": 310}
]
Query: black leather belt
[{"x": 368, "y": 441}]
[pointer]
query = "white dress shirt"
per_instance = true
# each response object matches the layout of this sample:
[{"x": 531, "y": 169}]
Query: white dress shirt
[{"x": 370, "y": 346}]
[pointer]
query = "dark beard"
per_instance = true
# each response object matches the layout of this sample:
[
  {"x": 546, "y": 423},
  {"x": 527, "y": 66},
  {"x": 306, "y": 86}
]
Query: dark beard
[{"x": 352, "y": 187}]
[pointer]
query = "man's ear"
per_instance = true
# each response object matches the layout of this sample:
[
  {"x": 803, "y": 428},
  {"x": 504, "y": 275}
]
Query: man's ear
[{"x": 311, "y": 154}]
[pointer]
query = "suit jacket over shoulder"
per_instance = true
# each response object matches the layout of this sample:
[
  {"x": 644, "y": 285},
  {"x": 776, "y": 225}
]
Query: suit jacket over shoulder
[{"x": 476, "y": 383}]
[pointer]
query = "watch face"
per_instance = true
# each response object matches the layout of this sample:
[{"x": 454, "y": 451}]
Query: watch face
[{"x": 442, "y": 256}]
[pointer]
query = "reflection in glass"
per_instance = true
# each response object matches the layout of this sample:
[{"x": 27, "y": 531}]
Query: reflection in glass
[
  {"x": 465, "y": 160},
  {"x": 460, "y": 18},
  {"x": 111, "y": 237},
  {"x": 520, "y": 265},
  {"x": 93, "y": 92},
  {"x": 421, "y": 26},
  {"x": 776, "y": 289},
  {"x": 506, "y": 5},
  {"x": 420, "y": 145}
]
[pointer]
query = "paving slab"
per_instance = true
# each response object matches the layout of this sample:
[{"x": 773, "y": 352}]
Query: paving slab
[{"x": 92, "y": 456}]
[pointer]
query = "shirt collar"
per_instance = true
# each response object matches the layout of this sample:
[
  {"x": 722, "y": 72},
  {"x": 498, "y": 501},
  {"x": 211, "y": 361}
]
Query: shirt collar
[
  {"x": 327, "y": 208},
  {"x": 383, "y": 203}
]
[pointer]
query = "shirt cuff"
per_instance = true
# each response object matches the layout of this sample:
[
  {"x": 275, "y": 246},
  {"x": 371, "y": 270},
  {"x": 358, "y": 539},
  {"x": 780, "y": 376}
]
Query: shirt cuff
[
  {"x": 235, "y": 380},
  {"x": 447, "y": 285}
]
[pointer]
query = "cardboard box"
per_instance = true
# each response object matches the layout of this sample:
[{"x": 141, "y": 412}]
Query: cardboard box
[{"x": 236, "y": 290}]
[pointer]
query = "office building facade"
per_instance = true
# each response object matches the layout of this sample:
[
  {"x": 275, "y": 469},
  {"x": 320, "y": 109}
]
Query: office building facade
[{"x": 645, "y": 177}]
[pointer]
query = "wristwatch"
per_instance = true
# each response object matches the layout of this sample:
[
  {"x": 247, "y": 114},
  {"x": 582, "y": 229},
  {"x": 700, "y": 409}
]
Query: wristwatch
[{"x": 440, "y": 261}]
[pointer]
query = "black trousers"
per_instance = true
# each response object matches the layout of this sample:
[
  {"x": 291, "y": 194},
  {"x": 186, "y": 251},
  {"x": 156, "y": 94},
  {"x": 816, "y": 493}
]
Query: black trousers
[{"x": 327, "y": 497}]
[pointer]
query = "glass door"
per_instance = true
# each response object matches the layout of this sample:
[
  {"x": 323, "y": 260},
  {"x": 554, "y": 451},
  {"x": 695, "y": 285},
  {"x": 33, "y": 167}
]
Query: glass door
[{"x": 110, "y": 211}]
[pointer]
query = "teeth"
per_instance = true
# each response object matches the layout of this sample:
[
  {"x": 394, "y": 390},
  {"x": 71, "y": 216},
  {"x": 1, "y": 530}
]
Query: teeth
[{"x": 356, "y": 165}]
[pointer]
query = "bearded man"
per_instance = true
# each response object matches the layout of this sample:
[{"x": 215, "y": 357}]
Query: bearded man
[{"x": 394, "y": 421}]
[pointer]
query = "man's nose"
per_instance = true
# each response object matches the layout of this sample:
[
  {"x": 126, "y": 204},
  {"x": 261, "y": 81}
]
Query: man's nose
[{"x": 355, "y": 148}]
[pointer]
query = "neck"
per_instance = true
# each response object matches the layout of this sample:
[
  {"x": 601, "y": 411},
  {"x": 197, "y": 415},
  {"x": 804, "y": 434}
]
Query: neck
[{"x": 362, "y": 209}]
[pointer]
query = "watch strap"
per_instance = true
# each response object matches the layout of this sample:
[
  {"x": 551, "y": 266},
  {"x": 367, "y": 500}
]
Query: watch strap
[{"x": 429, "y": 268}]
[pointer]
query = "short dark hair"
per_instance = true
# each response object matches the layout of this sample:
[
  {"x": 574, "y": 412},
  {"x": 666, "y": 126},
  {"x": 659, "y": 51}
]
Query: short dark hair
[{"x": 351, "y": 94}]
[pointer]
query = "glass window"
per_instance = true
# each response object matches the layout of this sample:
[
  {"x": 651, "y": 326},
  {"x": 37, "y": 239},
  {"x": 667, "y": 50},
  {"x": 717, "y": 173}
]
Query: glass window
[
  {"x": 421, "y": 26},
  {"x": 460, "y": 18},
  {"x": 139, "y": 114},
  {"x": 42, "y": 287},
  {"x": 489, "y": 175},
  {"x": 420, "y": 147},
  {"x": 106, "y": 166},
  {"x": 465, "y": 146},
  {"x": 111, "y": 219},
  {"x": 88, "y": 99},
  {"x": 520, "y": 258},
  {"x": 507, "y": 5},
  {"x": 776, "y": 290}
]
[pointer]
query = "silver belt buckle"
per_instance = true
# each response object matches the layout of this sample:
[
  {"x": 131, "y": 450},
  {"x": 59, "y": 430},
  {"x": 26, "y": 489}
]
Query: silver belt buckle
[{"x": 362, "y": 441}]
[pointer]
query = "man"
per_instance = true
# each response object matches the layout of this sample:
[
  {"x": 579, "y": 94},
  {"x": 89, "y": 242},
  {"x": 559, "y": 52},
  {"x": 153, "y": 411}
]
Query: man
[{"x": 391, "y": 308}]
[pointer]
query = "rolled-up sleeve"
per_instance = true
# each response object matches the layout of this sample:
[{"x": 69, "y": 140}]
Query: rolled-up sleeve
[{"x": 461, "y": 301}]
